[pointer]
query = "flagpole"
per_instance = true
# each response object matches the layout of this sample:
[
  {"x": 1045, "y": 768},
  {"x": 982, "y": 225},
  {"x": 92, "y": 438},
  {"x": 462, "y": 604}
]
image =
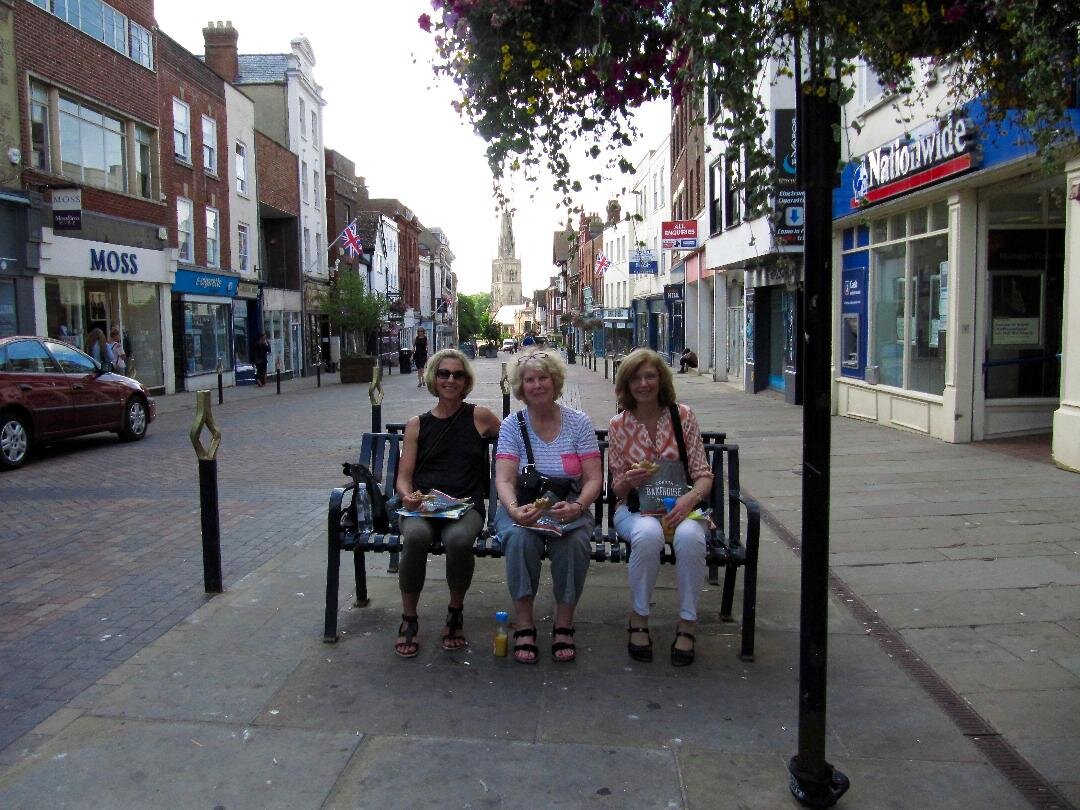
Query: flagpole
[{"x": 336, "y": 240}]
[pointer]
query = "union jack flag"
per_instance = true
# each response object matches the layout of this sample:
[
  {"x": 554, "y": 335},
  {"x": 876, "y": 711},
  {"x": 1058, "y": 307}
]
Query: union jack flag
[
  {"x": 602, "y": 263},
  {"x": 351, "y": 240}
]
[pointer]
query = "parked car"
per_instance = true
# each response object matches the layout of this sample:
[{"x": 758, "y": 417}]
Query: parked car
[
  {"x": 508, "y": 344},
  {"x": 50, "y": 390}
]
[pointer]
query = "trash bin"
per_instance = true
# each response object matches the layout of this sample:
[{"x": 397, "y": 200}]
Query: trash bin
[
  {"x": 404, "y": 360},
  {"x": 570, "y": 356}
]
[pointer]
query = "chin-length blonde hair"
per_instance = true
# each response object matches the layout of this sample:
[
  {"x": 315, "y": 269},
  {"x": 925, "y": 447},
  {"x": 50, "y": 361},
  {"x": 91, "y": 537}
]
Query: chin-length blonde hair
[
  {"x": 433, "y": 366},
  {"x": 630, "y": 367}
]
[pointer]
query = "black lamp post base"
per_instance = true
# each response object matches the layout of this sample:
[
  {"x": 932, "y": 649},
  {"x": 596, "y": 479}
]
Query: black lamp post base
[{"x": 813, "y": 791}]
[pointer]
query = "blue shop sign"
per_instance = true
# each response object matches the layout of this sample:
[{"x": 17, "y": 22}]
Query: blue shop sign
[{"x": 199, "y": 283}]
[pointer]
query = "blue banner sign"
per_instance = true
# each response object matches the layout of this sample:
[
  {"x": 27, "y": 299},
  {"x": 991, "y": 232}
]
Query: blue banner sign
[
  {"x": 643, "y": 261},
  {"x": 199, "y": 283}
]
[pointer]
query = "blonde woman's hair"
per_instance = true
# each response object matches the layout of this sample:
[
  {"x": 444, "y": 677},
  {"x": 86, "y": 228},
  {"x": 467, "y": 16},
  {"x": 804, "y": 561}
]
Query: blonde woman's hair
[
  {"x": 630, "y": 367},
  {"x": 433, "y": 366},
  {"x": 547, "y": 360}
]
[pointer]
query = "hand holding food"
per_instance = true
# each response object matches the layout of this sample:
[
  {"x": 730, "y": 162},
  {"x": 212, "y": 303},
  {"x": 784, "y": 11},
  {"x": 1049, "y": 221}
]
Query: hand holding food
[
  {"x": 644, "y": 464},
  {"x": 543, "y": 502}
]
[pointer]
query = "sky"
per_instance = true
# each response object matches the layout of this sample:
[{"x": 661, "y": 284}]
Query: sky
[{"x": 388, "y": 113}]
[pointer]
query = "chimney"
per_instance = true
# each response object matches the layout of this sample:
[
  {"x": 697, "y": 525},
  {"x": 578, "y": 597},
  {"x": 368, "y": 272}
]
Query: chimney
[
  {"x": 219, "y": 41},
  {"x": 613, "y": 211}
]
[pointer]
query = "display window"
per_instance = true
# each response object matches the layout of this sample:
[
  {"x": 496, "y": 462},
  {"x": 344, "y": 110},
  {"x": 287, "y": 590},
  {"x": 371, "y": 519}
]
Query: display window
[
  {"x": 907, "y": 310},
  {"x": 283, "y": 331},
  {"x": 9, "y": 323},
  {"x": 207, "y": 337}
]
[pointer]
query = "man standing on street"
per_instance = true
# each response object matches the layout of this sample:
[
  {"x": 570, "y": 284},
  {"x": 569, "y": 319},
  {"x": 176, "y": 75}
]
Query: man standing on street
[{"x": 262, "y": 352}]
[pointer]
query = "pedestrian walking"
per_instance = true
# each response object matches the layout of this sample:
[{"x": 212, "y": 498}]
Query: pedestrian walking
[
  {"x": 420, "y": 351},
  {"x": 96, "y": 346},
  {"x": 261, "y": 354}
]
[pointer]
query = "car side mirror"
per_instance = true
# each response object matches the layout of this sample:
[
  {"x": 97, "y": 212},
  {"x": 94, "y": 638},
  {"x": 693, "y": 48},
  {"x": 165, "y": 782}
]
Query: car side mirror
[{"x": 105, "y": 367}]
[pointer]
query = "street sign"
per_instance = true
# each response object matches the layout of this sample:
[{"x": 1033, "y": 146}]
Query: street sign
[
  {"x": 791, "y": 205},
  {"x": 680, "y": 234},
  {"x": 67, "y": 209},
  {"x": 643, "y": 261}
]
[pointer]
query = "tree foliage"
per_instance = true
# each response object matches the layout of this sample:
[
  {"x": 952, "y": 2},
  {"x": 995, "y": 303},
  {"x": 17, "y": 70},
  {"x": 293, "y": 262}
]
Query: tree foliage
[
  {"x": 353, "y": 311},
  {"x": 468, "y": 318},
  {"x": 536, "y": 76}
]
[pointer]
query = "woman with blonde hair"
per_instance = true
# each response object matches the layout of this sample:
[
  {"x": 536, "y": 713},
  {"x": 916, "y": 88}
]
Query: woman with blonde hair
[
  {"x": 444, "y": 449},
  {"x": 96, "y": 346},
  {"x": 548, "y": 473},
  {"x": 656, "y": 435}
]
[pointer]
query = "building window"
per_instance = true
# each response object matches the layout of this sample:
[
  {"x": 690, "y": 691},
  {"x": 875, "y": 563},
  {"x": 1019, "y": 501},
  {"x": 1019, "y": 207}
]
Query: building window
[
  {"x": 243, "y": 246},
  {"x": 732, "y": 192},
  {"x": 304, "y": 186},
  {"x": 140, "y": 44},
  {"x": 209, "y": 145},
  {"x": 315, "y": 189},
  {"x": 213, "y": 241},
  {"x": 39, "y": 128},
  {"x": 144, "y": 161},
  {"x": 105, "y": 24},
  {"x": 185, "y": 232},
  {"x": 241, "y": 168},
  {"x": 307, "y": 248},
  {"x": 303, "y": 118},
  {"x": 181, "y": 114},
  {"x": 318, "y": 249},
  {"x": 93, "y": 146},
  {"x": 716, "y": 190},
  {"x": 314, "y": 128}
]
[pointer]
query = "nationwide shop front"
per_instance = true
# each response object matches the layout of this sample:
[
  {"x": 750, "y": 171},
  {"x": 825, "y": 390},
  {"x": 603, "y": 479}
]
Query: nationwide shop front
[
  {"x": 85, "y": 285},
  {"x": 202, "y": 308},
  {"x": 950, "y": 283}
]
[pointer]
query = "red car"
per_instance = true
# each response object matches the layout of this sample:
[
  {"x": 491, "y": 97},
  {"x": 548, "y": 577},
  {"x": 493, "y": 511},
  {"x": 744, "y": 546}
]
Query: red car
[{"x": 51, "y": 390}]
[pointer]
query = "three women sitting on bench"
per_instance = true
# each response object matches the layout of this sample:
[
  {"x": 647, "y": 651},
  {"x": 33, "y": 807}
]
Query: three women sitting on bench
[{"x": 553, "y": 449}]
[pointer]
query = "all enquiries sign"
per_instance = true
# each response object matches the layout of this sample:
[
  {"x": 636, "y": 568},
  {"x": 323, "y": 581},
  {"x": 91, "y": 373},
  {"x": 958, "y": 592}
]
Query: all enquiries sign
[
  {"x": 679, "y": 234},
  {"x": 934, "y": 152}
]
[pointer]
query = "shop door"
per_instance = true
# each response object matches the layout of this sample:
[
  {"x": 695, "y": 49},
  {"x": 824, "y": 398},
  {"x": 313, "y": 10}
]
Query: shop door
[
  {"x": 735, "y": 346},
  {"x": 294, "y": 353},
  {"x": 777, "y": 336}
]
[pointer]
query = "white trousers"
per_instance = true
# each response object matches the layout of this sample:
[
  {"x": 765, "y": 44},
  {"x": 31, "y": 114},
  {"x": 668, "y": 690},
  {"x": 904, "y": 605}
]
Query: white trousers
[{"x": 646, "y": 537}]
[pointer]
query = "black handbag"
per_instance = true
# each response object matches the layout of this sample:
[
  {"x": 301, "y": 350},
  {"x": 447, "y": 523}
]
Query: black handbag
[
  {"x": 531, "y": 483},
  {"x": 633, "y": 500}
]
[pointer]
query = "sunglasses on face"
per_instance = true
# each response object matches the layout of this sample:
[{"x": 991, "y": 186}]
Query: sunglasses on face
[
  {"x": 447, "y": 374},
  {"x": 533, "y": 356}
]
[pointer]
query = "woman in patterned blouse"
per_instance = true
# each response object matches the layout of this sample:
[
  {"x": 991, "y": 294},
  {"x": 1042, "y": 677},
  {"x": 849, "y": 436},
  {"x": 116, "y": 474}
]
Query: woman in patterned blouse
[{"x": 644, "y": 432}]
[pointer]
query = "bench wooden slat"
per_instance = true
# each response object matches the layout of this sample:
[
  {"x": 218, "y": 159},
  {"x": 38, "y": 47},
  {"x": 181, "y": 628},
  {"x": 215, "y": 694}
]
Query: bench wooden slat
[{"x": 725, "y": 546}]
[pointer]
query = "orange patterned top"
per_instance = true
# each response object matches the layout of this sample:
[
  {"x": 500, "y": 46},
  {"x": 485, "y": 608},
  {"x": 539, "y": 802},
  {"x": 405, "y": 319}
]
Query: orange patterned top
[{"x": 629, "y": 441}]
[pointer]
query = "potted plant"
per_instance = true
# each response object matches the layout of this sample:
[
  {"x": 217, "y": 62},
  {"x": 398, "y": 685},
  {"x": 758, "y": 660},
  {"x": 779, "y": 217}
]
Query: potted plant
[{"x": 355, "y": 313}]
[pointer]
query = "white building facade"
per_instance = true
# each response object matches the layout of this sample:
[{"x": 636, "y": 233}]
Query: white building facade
[{"x": 652, "y": 202}]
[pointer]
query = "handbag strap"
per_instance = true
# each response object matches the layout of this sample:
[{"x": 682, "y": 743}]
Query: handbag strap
[
  {"x": 676, "y": 426},
  {"x": 525, "y": 436}
]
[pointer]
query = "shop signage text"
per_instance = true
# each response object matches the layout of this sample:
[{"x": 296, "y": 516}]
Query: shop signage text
[
  {"x": 67, "y": 209},
  {"x": 673, "y": 292},
  {"x": 942, "y": 149},
  {"x": 642, "y": 261},
  {"x": 192, "y": 281},
  {"x": 113, "y": 261},
  {"x": 680, "y": 234},
  {"x": 790, "y": 226}
]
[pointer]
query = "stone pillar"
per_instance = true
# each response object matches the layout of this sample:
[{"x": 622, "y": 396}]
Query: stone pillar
[
  {"x": 691, "y": 324},
  {"x": 961, "y": 358},
  {"x": 722, "y": 350},
  {"x": 1066, "y": 439},
  {"x": 704, "y": 347}
]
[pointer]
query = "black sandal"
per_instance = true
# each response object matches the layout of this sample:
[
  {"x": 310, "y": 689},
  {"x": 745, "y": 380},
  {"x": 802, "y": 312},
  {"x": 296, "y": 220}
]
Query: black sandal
[
  {"x": 682, "y": 658},
  {"x": 527, "y": 632},
  {"x": 639, "y": 652},
  {"x": 408, "y": 628},
  {"x": 454, "y": 623},
  {"x": 559, "y": 646}
]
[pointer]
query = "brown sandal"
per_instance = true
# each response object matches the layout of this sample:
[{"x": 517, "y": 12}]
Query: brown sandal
[
  {"x": 408, "y": 628},
  {"x": 454, "y": 624}
]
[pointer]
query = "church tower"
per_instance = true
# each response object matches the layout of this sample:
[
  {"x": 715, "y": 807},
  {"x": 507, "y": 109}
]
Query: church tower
[{"x": 505, "y": 268}]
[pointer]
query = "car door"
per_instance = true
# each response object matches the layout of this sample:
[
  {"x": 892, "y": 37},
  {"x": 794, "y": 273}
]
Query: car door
[
  {"x": 97, "y": 400},
  {"x": 29, "y": 376}
]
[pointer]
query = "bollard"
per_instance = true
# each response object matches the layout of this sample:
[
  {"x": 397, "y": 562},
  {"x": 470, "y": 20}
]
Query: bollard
[
  {"x": 208, "y": 491},
  {"x": 277, "y": 372},
  {"x": 318, "y": 368},
  {"x": 605, "y": 367},
  {"x": 375, "y": 394},
  {"x": 220, "y": 386},
  {"x": 504, "y": 384}
]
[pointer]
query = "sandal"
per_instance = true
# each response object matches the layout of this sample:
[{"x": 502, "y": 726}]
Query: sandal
[
  {"x": 639, "y": 652},
  {"x": 452, "y": 639},
  {"x": 558, "y": 646},
  {"x": 682, "y": 658},
  {"x": 531, "y": 649},
  {"x": 408, "y": 628}
]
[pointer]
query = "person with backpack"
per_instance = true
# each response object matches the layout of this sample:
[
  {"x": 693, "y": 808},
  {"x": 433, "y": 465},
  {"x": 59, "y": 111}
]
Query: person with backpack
[{"x": 445, "y": 450}]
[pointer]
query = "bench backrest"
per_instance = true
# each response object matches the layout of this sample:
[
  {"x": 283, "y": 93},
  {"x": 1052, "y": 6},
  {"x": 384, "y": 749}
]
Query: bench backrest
[{"x": 380, "y": 452}]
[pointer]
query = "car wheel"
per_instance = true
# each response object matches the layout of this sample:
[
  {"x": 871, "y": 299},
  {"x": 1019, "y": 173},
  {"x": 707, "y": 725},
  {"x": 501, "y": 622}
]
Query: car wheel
[
  {"x": 134, "y": 420},
  {"x": 14, "y": 441}
]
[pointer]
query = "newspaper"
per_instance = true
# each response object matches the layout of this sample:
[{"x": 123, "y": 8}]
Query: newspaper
[
  {"x": 438, "y": 505},
  {"x": 546, "y": 523}
]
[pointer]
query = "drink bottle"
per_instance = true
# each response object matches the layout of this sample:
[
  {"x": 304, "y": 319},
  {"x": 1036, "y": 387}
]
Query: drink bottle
[
  {"x": 502, "y": 637},
  {"x": 669, "y": 530}
]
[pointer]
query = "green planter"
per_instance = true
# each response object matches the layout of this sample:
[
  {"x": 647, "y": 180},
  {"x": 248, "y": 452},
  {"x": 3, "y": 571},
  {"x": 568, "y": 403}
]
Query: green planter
[{"x": 357, "y": 369}]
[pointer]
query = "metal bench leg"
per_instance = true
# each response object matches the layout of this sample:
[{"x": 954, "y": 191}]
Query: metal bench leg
[
  {"x": 729, "y": 593},
  {"x": 749, "y": 611},
  {"x": 333, "y": 562},
  {"x": 360, "y": 570},
  {"x": 714, "y": 575}
]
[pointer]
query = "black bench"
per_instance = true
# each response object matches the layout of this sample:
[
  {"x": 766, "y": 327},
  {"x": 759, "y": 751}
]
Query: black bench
[{"x": 725, "y": 547}]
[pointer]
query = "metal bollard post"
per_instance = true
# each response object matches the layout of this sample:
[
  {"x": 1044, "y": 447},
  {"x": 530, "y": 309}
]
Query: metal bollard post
[
  {"x": 504, "y": 384},
  {"x": 375, "y": 394},
  {"x": 605, "y": 367},
  {"x": 318, "y": 368},
  {"x": 220, "y": 387},
  {"x": 208, "y": 491},
  {"x": 277, "y": 370}
]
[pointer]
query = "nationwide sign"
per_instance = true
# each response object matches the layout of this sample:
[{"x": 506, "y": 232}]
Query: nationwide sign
[
  {"x": 939, "y": 150},
  {"x": 680, "y": 234}
]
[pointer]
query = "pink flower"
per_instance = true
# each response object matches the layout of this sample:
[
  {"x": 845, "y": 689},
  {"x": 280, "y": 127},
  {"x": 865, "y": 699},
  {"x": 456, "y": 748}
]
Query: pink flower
[{"x": 424, "y": 21}]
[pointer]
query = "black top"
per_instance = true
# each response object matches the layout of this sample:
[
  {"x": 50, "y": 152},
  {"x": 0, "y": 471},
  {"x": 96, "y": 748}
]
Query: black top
[
  {"x": 457, "y": 464},
  {"x": 420, "y": 347}
]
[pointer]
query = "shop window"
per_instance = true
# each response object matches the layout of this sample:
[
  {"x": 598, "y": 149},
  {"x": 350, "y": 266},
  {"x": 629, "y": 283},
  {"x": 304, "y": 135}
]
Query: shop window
[
  {"x": 206, "y": 337},
  {"x": 9, "y": 323},
  {"x": 142, "y": 326},
  {"x": 65, "y": 314},
  {"x": 240, "y": 334},
  {"x": 888, "y": 318},
  {"x": 939, "y": 216}
]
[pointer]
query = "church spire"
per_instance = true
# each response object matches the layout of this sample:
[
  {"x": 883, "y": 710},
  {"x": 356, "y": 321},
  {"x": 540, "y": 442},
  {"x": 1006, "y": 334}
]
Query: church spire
[{"x": 506, "y": 236}]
